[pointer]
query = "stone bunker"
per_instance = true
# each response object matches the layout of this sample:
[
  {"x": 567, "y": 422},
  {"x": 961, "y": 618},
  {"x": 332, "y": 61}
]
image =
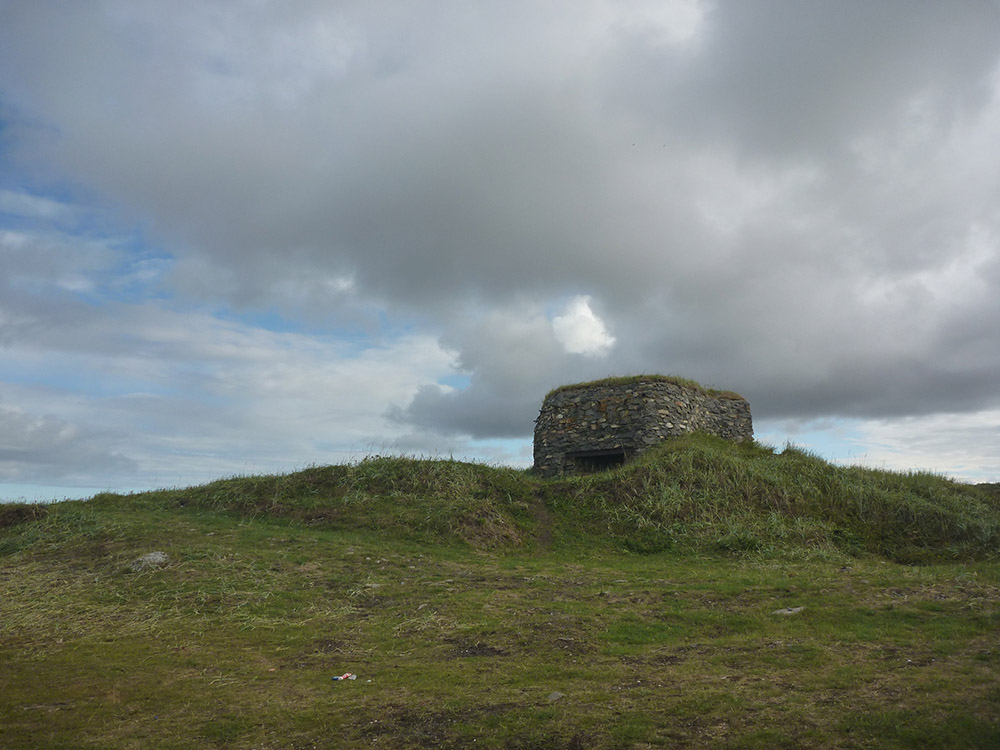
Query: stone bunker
[{"x": 592, "y": 426}]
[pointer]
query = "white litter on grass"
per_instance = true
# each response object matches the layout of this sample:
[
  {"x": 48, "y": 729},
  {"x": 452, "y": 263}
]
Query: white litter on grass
[{"x": 788, "y": 611}]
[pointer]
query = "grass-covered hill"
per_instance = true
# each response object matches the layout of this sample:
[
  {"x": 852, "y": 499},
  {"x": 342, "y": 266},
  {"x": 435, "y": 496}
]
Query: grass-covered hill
[
  {"x": 708, "y": 594},
  {"x": 693, "y": 494}
]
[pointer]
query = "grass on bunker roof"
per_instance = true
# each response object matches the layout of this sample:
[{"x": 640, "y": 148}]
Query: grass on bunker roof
[
  {"x": 628, "y": 380},
  {"x": 484, "y": 607}
]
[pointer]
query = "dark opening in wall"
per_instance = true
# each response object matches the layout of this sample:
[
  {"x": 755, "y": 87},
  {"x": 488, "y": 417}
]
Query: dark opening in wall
[{"x": 590, "y": 461}]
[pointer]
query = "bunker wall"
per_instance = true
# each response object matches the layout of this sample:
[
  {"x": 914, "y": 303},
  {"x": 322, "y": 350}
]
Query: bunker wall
[{"x": 614, "y": 422}]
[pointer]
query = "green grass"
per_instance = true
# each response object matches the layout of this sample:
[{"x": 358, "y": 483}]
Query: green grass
[
  {"x": 464, "y": 596},
  {"x": 623, "y": 380}
]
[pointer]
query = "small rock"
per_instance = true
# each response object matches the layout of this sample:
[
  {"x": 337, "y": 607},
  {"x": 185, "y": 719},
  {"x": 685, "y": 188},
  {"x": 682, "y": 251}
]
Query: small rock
[
  {"x": 788, "y": 611},
  {"x": 555, "y": 695},
  {"x": 147, "y": 561}
]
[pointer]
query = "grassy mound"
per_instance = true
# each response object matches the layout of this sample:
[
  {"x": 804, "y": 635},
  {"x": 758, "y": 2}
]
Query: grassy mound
[
  {"x": 696, "y": 493},
  {"x": 485, "y": 607},
  {"x": 704, "y": 491},
  {"x": 419, "y": 500}
]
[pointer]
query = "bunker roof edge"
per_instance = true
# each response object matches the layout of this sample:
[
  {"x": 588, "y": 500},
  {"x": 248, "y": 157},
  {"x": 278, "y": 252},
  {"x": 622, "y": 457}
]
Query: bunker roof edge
[{"x": 640, "y": 379}]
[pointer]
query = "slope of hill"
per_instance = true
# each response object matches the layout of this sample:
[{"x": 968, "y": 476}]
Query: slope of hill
[
  {"x": 692, "y": 493},
  {"x": 709, "y": 594}
]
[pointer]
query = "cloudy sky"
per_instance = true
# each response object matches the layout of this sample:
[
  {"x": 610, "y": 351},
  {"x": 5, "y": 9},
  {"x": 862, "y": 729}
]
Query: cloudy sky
[{"x": 250, "y": 236}]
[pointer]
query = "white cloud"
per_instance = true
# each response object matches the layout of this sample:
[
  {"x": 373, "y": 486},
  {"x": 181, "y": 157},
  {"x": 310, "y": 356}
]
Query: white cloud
[
  {"x": 670, "y": 22},
  {"x": 179, "y": 397},
  {"x": 580, "y": 331},
  {"x": 40, "y": 447},
  {"x": 21, "y": 203},
  {"x": 963, "y": 446}
]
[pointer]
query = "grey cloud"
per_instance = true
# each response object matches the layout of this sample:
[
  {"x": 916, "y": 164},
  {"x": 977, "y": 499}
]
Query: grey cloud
[
  {"x": 47, "y": 448},
  {"x": 514, "y": 359},
  {"x": 476, "y": 412},
  {"x": 803, "y": 78},
  {"x": 511, "y": 354},
  {"x": 448, "y": 178},
  {"x": 773, "y": 206}
]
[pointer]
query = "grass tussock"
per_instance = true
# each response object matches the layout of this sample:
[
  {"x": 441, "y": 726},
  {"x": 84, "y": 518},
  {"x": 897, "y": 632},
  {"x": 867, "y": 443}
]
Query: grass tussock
[{"x": 13, "y": 514}]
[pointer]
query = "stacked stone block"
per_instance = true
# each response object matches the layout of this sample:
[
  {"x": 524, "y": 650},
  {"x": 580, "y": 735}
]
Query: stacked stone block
[{"x": 592, "y": 425}]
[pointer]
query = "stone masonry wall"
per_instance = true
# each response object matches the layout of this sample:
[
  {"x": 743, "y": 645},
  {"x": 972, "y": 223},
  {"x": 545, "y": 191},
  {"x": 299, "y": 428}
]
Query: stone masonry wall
[{"x": 614, "y": 421}]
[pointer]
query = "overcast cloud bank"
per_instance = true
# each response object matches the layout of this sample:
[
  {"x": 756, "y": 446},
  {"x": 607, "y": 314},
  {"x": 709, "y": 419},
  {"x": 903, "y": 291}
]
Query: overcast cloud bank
[{"x": 252, "y": 236}]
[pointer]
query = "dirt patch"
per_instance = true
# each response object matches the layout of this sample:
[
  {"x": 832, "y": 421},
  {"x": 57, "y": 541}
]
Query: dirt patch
[
  {"x": 328, "y": 646},
  {"x": 443, "y": 729},
  {"x": 543, "y": 524},
  {"x": 427, "y": 728},
  {"x": 475, "y": 648},
  {"x": 573, "y": 646}
]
